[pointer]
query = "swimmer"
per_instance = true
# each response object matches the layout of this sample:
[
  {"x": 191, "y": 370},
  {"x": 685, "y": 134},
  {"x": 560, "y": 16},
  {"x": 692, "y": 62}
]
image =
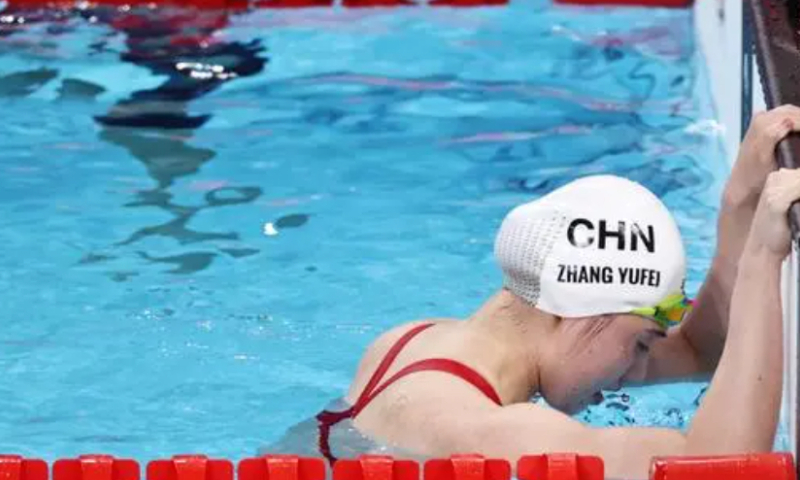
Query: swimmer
[{"x": 592, "y": 301}]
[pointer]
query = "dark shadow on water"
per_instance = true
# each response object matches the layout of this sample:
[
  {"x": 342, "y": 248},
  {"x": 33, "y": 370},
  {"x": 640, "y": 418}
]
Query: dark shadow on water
[{"x": 154, "y": 125}]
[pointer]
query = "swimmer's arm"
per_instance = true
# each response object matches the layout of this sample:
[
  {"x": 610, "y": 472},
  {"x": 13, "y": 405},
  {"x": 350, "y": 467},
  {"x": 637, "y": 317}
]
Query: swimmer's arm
[
  {"x": 693, "y": 349},
  {"x": 674, "y": 358},
  {"x": 700, "y": 339},
  {"x": 525, "y": 429},
  {"x": 696, "y": 346},
  {"x": 739, "y": 413}
]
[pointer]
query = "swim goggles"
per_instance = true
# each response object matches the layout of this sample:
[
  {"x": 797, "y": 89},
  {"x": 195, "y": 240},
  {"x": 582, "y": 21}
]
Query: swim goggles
[{"x": 669, "y": 312}]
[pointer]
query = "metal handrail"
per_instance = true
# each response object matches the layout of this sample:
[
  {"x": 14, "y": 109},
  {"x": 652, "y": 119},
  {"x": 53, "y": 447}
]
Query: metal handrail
[
  {"x": 748, "y": 51},
  {"x": 778, "y": 62}
]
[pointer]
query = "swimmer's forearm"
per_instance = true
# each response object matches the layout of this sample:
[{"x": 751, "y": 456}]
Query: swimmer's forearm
[
  {"x": 707, "y": 326},
  {"x": 735, "y": 218},
  {"x": 740, "y": 409}
]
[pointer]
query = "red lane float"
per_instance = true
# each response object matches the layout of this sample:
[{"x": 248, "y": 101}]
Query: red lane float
[
  {"x": 375, "y": 467},
  {"x": 467, "y": 467},
  {"x": 281, "y": 467},
  {"x": 96, "y": 467},
  {"x": 770, "y": 466},
  {"x": 560, "y": 466},
  {"x": 236, "y": 5},
  {"x": 190, "y": 467},
  {"x": 218, "y": 5},
  {"x": 14, "y": 467},
  {"x": 241, "y": 5}
]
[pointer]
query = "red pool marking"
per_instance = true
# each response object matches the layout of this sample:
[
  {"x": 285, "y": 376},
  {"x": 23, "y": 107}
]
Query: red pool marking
[
  {"x": 238, "y": 5},
  {"x": 375, "y": 467},
  {"x": 96, "y": 467},
  {"x": 769, "y": 466},
  {"x": 508, "y": 137},
  {"x": 190, "y": 467},
  {"x": 560, "y": 466},
  {"x": 375, "y": 80},
  {"x": 281, "y": 467},
  {"x": 15, "y": 467},
  {"x": 526, "y": 90},
  {"x": 467, "y": 467}
]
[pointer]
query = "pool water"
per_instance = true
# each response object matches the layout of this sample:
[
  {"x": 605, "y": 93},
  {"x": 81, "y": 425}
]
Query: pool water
[{"x": 203, "y": 229}]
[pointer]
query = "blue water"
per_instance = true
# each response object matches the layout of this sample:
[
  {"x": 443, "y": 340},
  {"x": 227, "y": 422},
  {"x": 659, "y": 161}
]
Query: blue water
[{"x": 327, "y": 174}]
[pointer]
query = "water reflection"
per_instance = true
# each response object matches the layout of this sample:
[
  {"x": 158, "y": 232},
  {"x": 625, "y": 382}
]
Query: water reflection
[
  {"x": 610, "y": 103},
  {"x": 154, "y": 125}
]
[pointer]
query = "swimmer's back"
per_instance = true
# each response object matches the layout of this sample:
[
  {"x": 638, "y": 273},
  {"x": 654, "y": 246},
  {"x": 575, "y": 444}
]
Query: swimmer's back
[{"x": 407, "y": 410}]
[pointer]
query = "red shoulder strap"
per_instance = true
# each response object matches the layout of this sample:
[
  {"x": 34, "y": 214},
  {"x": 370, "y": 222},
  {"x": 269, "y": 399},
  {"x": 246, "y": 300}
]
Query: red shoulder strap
[
  {"x": 445, "y": 365},
  {"x": 327, "y": 419},
  {"x": 387, "y": 361}
]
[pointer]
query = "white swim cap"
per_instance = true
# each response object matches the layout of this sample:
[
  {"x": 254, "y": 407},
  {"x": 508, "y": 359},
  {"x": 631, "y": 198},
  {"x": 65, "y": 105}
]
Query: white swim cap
[{"x": 598, "y": 245}]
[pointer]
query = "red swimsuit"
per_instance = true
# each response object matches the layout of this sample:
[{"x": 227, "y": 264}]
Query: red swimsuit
[{"x": 328, "y": 419}]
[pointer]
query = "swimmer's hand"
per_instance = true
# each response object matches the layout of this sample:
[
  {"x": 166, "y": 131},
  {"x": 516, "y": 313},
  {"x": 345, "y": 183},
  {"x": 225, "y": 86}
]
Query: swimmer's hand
[
  {"x": 741, "y": 407},
  {"x": 770, "y": 229},
  {"x": 756, "y": 157}
]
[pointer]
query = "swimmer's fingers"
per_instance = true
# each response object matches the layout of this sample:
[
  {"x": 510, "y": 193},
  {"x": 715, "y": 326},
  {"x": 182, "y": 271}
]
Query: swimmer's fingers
[
  {"x": 770, "y": 127},
  {"x": 756, "y": 157},
  {"x": 782, "y": 190},
  {"x": 770, "y": 228}
]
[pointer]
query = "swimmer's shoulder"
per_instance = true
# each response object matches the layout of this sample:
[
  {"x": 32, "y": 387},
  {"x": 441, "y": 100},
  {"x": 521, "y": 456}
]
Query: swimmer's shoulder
[
  {"x": 381, "y": 345},
  {"x": 384, "y": 342}
]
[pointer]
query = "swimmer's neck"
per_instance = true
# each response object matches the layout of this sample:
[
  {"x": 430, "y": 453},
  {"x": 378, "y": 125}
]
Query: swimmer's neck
[{"x": 517, "y": 336}]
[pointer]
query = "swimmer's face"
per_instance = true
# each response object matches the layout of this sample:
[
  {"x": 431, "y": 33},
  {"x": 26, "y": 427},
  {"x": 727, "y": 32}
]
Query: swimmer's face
[{"x": 594, "y": 354}]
